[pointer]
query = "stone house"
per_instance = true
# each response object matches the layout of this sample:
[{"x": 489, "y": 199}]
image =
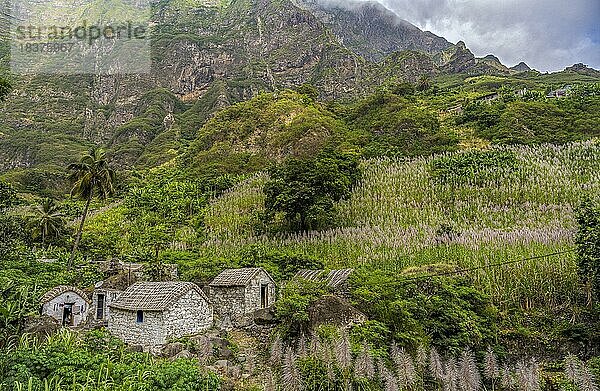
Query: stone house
[
  {"x": 237, "y": 293},
  {"x": 66, "y": 304},
  {"x": 102, "y": 298},
  {"x": 151, "y": 313}
]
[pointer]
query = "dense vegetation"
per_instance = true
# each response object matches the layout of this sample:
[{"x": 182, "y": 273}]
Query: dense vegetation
[
  {"x": 95, "y": 361},
  {"x": 474, "y": 236}
]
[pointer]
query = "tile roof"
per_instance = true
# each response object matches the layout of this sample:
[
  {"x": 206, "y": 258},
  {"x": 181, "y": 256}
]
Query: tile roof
[
  {"x": 154, "y": 296},
  {"x": 334, "y": 279},
  {"x": 236, "y": 277},
  {"x": 59, "y": 290}
]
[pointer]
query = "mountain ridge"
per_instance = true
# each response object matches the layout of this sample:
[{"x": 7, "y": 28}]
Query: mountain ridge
[{"x": 208, "y": 55}]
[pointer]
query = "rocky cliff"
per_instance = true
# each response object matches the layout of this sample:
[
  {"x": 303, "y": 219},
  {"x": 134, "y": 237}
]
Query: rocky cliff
[
  {"x": 371, "y": 30},
  {"x": 206, "y": 55}
]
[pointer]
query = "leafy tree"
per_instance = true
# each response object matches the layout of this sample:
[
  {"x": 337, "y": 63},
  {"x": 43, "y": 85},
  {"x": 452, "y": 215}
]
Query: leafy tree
[
  {"x": 588, "y": 245},
  {"x": 308, "y": 90},
  {"x": 8, "y": 196},
  {"x": 47, "y": 222},
  {"x": 305, "y": 190},
  {"x": 293, "y": 304},
  {"x": 447, "y": 312},
  {"x": 91, "y": 177},
  {"x": 403, "y": 89},
  {"x": 12, "y": 233},
  {"x": 484, "y": 116}
]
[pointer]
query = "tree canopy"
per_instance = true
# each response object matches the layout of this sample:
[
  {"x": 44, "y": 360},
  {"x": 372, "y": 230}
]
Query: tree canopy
[
  {"x": 305, "y": 190},
  {"x": 588, "y": 244}
]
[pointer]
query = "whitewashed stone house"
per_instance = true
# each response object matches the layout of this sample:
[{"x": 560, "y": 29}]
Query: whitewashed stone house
[
  {"x": 66, "y": 304},
  {"x": 237, "y": 293},
  {"x": 151, "y": 313}
]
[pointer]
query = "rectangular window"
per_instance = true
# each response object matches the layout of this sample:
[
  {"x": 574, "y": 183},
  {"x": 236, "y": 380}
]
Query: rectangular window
[
  {"x": 264, "y": 296},
  {"x": 140, "y": 316},
  {"x": 100, "y": 309}
]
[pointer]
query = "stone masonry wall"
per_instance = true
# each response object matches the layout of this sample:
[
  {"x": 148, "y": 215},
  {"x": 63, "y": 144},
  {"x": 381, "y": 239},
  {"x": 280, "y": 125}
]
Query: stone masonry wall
[
  {"x": 123, "y": 324},
  {"x": 228, "y": 304},
  {"x": 110, "y": 295},
  {"x": 252, "y": 293},
  {"x": 191, "y": 314}
]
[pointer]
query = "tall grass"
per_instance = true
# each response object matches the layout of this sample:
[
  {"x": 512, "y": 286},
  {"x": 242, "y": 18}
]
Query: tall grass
[
  {"x": 401, "y": 216},
  {"x": 395, "y": 369}
]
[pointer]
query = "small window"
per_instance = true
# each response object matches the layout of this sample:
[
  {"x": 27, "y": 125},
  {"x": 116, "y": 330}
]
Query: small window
[{"x": 140, "y": 316}]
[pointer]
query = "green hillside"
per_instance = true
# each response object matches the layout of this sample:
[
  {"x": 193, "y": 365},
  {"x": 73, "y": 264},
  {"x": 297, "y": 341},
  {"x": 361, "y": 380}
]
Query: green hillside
[
  {"x": 399, "y": 214},
  {"x": 453, "y": 204}
]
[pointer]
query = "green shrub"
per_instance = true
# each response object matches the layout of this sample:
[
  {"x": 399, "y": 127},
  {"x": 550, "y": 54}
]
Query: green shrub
[
  {"x": 448, "y": 313},
  {"x": 472, "y": 167},
  {"x": 97, "y": 361},
  {"x": 292, "y": 306}
]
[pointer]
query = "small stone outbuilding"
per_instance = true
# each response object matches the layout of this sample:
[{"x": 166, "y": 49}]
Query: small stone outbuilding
[
  {"x": 336, "y": 280},
  {"x": 237, "y": 293},
  {"x": 68, "y": 305},
  {"x": 102, "y": 298},
  {"x": 151, "y": 313},
  {"x": 106, "y": 292}
]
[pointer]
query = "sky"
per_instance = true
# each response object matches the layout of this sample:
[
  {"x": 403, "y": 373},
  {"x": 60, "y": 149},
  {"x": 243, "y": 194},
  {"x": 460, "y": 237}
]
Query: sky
[{"x": 548, "y": 35}]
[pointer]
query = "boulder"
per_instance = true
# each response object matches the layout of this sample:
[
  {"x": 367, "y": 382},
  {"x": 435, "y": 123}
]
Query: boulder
[
  {"x": 172, "y": 349},
  {"x": 41, "y": 326},
  {"x": 336, "y": 311},
  {"x": 183, "y": 354},
  {"x": 135, "y": 348},
  {"x": 265, "y": 316}
]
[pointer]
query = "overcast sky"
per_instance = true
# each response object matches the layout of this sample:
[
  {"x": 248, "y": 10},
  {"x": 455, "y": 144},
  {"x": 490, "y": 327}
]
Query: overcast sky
[{"x": 548, "y": 35}]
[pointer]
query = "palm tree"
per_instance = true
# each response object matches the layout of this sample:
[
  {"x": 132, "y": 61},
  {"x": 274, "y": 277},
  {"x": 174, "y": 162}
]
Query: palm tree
[
  {"x": 90, "y": 177},
  {"x": 47, "y": 221},
  {"x": 424, "y": 83}
]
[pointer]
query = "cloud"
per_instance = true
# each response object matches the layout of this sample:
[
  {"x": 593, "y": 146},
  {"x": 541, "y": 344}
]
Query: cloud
[{"x": 547, "y": 34}]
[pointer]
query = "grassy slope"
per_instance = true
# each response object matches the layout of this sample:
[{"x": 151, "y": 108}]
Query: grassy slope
[
  {"x": 249, "y": 136},
  {"x": 393, "y": 215}
]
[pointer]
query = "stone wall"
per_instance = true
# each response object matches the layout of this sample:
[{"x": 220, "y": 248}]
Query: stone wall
[
  {"x": 110, "y": 295},
  {"x": 55, "y": 307},
  {"x": 228, "y": 304},
  {"x": 192, "y": 314},
  {"x": 234, "y": 306},
  {"x": 151, "y": 332},
  {"x": 252, "y": 294}
]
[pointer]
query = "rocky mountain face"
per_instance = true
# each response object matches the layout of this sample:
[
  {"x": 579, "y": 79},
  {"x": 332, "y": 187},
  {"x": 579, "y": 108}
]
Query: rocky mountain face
[
  {"x": 583, "y": 69},
  {"x": 206, "y": 55},
  {"x": 371, "y": 30},
  {"x": 456, "y": 59},
  {"x": 521, "y": 67}
]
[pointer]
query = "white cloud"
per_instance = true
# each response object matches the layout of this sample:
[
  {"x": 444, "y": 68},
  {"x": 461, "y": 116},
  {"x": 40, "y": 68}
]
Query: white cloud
[{"x": 547, "y": 34}]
